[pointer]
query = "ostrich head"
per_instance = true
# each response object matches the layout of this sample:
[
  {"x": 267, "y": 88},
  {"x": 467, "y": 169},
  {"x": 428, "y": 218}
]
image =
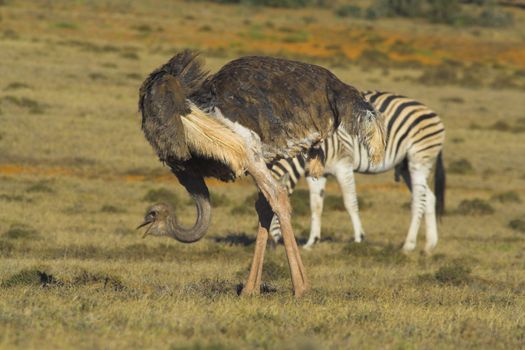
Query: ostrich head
[
  {"x": 160, "y": 218},
  {"x": 156, "y": 218}
]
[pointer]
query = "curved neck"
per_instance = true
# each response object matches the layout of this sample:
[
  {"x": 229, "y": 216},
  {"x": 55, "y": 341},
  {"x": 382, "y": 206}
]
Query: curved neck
[{"x": 199, "y": 229}]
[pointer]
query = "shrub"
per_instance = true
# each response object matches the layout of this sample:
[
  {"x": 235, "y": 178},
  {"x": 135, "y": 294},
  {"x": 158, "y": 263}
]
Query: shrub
[
  {"x": 242, "y": 210},
  {"x": 455, "y": 274},
  {"x": 209, "y": 288},
  {"x": 107, "y": 208},
  {"x": 517, "y": 225},
  {"x": 13, "y": 198},
  {"x": 161, "y": 195},
  {"x": 134, "y": 76},
  {"x": 500, "y": 125},
  {"x": 65, "y": 25},
  {"x": 453, "y": 99},
  {"x": 21, "y": 231},
  {"x": 30, "y": 277},
  {"x": 504, "y": 82},
  {"x": 374, "y": 57},
  {"x": 33, "y": 106},
  {"x": 507, "y": 197},
  {"x": 475, "y": 207},
  {"x": 461, "y": 166},
  {"x": 104, "y": 280},
  {"x": 130, "y": 55},
  {"x": 442, "y": 11},
  {"x": 219, "y": 199},
  {"x": 273, "y": 3},
  {"x": 300, "y": 201},
  {"x": 349, "y": 11},
  {"x": 6, "y": 248},
  {"x": 17, "y": 85},
  {"x": 492, "y": 16},
  {"x": 205, "y": 28},
  {"x": 144, "y": 28},
  {"x": 41, "y": 187},
  {"x": 297, "y": 37},
  {"x": 398, "y": 8},
  {"x": 247, "y": 207},
  {"x": 440, "y": 75},
  {"x": 334, "y": 203},
  {"x": 402, "y": 47}
]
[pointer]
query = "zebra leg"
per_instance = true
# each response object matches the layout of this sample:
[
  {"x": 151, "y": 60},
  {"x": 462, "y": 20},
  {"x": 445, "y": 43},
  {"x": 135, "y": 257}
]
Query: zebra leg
[
  {"x": 430, "y": 221},
  {"x": 418, "y": 177},
  {"x": 345, "y": 176},
  {"x": 316, "y": 187},
  {"x": 275, "y": 230}
]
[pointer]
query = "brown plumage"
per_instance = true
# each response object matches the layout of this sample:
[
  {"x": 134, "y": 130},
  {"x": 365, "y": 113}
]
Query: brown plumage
[
  {"x": 285, "y": 102},
  {"x": 252, "y": 112}
]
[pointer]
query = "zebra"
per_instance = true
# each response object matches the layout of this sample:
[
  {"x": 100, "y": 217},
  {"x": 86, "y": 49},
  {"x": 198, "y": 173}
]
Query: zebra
[{"x": 415, "y": 138}]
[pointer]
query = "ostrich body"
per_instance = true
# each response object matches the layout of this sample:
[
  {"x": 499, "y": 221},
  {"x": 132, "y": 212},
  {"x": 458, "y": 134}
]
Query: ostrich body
[{"x": 253, "y": 112}]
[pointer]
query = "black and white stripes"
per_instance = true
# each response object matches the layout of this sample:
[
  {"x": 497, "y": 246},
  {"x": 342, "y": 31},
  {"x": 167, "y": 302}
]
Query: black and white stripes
[{"x": 415, "y": 137}]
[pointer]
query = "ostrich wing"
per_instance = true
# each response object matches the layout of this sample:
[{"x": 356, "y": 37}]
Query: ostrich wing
[{"x": 289, "y": 104}]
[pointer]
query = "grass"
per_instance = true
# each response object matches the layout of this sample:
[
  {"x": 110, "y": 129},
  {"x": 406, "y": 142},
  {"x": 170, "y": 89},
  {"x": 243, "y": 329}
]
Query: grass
[
  {"x": 474, "y": 207},
  {"x": 21, "y": 231},
  {"x": 40, "y": 187},
  {"x": 517, "y": 225},
  {"x": 76, "y": 179},
  {"x": 33, "y": 107},
  {"x": 507, "y": 197},
  {"x": 161, "y": 195},
  {"x": 460, "y": 166}
]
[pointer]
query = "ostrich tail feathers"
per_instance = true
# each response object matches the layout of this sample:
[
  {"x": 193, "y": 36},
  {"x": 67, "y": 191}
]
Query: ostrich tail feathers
[
  {"x": 163, "y": 101},
  {"x": 210, "y": 138}
]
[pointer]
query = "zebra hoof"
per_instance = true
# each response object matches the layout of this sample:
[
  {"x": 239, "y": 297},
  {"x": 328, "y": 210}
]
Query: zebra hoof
[
  {"x": 429, "y": 249},
  {"x": 360, "y": 238},
  {"x": 309, "y": 245},
  {"x": 408, "y": 247}
]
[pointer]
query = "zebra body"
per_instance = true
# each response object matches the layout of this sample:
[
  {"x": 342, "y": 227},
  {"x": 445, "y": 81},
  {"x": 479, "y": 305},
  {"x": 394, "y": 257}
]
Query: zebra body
[{"x": 415, "y": 137}]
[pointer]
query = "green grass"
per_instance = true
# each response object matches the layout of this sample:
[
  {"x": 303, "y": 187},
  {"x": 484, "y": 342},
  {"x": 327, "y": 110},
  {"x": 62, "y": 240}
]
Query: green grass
[{"x": 77, "y": 176}]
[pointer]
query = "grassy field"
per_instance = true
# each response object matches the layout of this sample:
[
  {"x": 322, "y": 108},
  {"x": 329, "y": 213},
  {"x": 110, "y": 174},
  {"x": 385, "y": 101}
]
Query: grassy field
[{"x": 76, "y": 176}]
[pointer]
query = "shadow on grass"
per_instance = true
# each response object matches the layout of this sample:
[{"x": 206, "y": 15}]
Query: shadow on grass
[
  {"x": 210, "y": 288},
  {"x": 36, "y": 277},
  {"x": 30, "y": 277},
  {"x": 21, "y": 231},
  {"x": 236, "y": 239},
  {"x": 388, "y": 254},
  {"x": 133, "y": 252}
]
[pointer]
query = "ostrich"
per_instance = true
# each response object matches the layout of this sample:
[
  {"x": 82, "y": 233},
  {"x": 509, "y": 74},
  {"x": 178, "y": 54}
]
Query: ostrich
[{"x": 253, "y": 112}]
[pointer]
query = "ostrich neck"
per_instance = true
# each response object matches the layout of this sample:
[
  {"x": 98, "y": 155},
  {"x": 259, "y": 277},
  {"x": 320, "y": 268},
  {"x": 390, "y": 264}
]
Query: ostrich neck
[
  {"x": 197, "y": 189},
  {"x": 198, "y": 230}
]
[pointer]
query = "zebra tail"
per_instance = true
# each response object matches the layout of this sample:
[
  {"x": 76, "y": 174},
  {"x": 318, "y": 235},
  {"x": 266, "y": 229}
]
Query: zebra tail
[{"x": 439, "y": 185}]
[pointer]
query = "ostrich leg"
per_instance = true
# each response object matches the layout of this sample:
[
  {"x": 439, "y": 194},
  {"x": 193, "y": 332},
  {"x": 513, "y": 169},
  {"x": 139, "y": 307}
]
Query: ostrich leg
[
  {"x": 277, "y": 197},
  {"x": 264, "y": 211}
]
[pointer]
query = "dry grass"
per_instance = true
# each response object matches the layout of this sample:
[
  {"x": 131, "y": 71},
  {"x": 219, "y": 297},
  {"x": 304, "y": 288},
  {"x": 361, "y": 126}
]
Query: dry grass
[{"x": 76, "y": 176}]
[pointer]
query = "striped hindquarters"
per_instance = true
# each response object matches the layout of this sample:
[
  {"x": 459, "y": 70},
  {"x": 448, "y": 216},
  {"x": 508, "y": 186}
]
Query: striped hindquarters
[
  {"x": 290, "y": 170},
  {"x": 413, "y": 130}
]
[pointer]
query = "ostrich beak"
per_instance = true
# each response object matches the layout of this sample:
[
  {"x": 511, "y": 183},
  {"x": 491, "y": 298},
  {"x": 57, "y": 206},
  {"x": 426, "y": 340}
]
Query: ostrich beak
[{"x": 147, "y": 222}]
